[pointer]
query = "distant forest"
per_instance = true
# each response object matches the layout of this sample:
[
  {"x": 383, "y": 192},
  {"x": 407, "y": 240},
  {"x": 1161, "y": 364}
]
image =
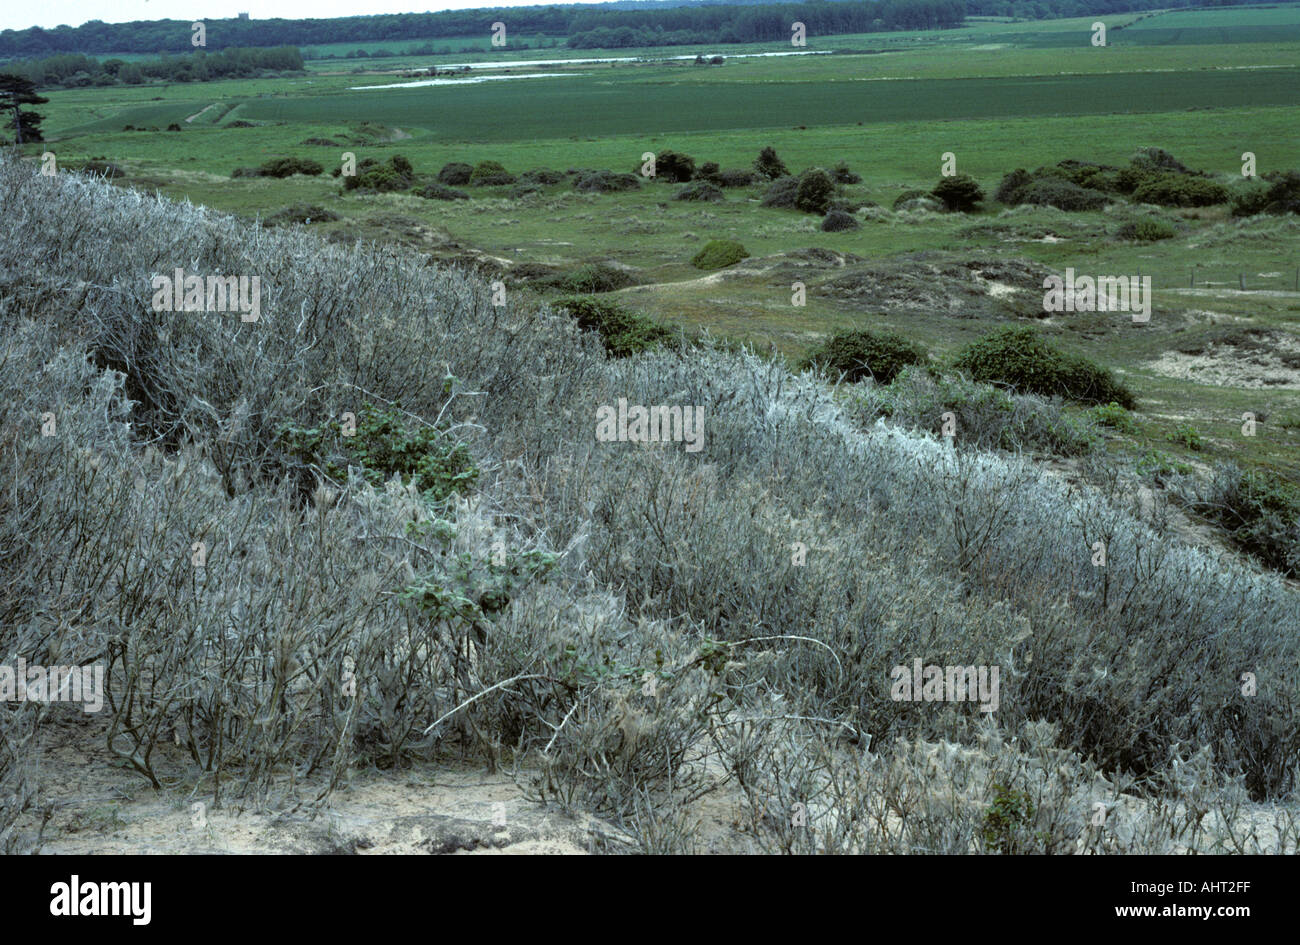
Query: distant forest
[
  {"x": 77, "y": 70},
  {"x": 579, "y": 26}
]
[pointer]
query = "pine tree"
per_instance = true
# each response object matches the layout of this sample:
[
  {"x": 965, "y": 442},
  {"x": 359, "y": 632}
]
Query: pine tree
[{"x": 16, "y": 91}]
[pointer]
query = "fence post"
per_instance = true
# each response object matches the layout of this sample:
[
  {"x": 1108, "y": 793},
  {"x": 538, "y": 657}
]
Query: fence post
[{"x": 1241, "y": 278}]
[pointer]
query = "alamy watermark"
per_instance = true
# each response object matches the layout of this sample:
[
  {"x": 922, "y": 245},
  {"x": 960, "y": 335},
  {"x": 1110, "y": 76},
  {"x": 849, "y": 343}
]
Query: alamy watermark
[
  {"x": 35, "y": 683},
  {"x": 946, "y": 684},
  {"x": 182, "y": 293},
  {"x": 659, "y": 424},
  {"x": 1103, "y": 294}
]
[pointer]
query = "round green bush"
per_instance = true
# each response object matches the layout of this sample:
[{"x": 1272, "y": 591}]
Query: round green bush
[
  {"x": 674, "y": 167},
  {"x": 700, "y": 190},
  {"x": 490, "y": 174},
  {"x": 1146, "y": 231},
  {"x": 455, "y": 174},
  {"x": 781, "y": 193},
  {"x": 1059, "y": 193},
  {"x": 718, "y": 254},
  {"x": 862, "y": 354},
  {"x": 1181, "y": 190},
  {"x": 837, "y": 221},
  {"x": 959, "y": 193},
  {"x": 815, "y": 190},
  {"x": 1021, "y": 359},
  {"x": 604, "y": 182}
]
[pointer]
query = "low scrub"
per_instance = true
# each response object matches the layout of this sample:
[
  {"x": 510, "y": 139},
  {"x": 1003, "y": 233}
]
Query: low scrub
[
  {"x": 856, "y": 355},
  {"x": 1021, "y": 359},
  {"x": 718, "y": 254},
  {"x": 622, "y": 332}
]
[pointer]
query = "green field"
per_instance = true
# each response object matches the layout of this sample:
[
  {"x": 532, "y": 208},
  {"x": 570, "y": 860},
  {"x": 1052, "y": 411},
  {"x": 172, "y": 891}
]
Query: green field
[{"x": 1205, "y": 85}]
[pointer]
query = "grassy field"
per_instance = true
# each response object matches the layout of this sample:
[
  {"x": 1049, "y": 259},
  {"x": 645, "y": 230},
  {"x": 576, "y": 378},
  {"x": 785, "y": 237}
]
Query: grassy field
[{"x": 1204, "y": 85}]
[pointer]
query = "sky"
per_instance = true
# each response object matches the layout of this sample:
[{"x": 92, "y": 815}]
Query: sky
[{"x": 50, "y": 13}]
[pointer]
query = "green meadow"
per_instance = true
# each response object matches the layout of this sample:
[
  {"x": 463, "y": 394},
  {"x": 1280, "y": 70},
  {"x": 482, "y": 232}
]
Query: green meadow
[{"x": 1205, "y": 85}]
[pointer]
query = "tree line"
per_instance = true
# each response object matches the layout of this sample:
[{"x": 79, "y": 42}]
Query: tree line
[
  {"x": 692, "y": 23},
  {"x": 75, "y": 70},
  {"x": 704, "y": 23}
]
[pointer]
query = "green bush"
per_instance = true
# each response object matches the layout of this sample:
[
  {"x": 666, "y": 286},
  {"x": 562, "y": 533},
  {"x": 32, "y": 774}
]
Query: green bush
[
  {"x": 388, "y": 442},
  {"x": 1021, "y": 359},
  {"x": 781, "y": 193},
  {"x": 815, "y": 190},
  {"x": 542, "y": 176},
  {"x": 1188, "y": 436},
  {"x": 1278, "y": 192},
  {"x": 709, "y": 171},
  {"x": 1114, "y": 416},
  {"x": 604, "y": 182},
  {"x": 624, "y": 333},
  {"x": 675, "y": 167},
  {"x": 700, "y": 190},
  {"x": 718, "y": 254},
  {"x": 394, "y": 174},
  {"x": 1146, "y": 231},
  {"x": 735, "y": 178},
  {"x": 960, "y": 193},
  {"x": 589, "y": 279},
  {"x": 455, "y": 174},
  {"x": 490, "y": 174},
  {"x": 1007, "y": 822},
  {"x": 843, "y": 175},
  {"x": 1008, "y": 191},
  {"x": 861, "y": 354},
  {"x": 1059, "y": 193},
  {"x": 288, "y": 166},
  {"x": 768, "y": 165},
  {"x": 437, "y": 191},
  {"x": 1179, "y": 190},
  {"x": 837, "y": 221}
]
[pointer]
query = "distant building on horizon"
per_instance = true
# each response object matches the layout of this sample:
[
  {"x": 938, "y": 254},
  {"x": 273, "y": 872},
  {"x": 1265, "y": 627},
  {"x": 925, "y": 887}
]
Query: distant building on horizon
[{"x": 243, "y": 16}]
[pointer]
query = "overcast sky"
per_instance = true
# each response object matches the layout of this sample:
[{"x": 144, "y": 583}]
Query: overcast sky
[{"x": 19, "y": 16}]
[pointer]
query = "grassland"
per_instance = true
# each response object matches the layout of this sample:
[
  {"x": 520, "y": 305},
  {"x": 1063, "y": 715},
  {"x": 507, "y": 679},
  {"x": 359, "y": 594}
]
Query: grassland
[{"x": 998, "y": 95}]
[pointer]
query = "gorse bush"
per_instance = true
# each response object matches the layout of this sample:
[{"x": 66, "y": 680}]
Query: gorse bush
[
  {"x": 455, "y": 174},
  {"x": 490, "y": 174},
  {"x": 623, "y": 333},
  {"x": 675, "y": 167},
  {"x": 1147, "y": 231},
  {"x": 769, "y": 166},
  {"x": 392, "y": 175},
  {"x": 960, "y": 193},
  {"x": 701, "y": 191},
  {"x": 288, "y": 166},
  {"x": 718, "y": 254},
  {"x": 815, "y": 190},
  {"x": 856, "y": 355},
  {"x": 1020, "y": 358},
  {"x": 837, "y": 221}
]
